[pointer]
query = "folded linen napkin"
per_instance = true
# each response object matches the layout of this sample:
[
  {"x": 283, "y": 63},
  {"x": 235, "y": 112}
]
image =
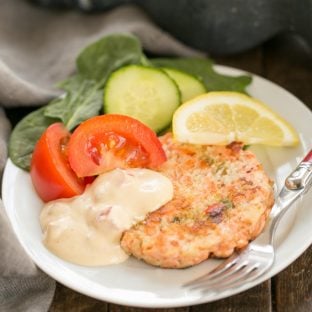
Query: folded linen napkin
[{"x": 38, "y": 48}]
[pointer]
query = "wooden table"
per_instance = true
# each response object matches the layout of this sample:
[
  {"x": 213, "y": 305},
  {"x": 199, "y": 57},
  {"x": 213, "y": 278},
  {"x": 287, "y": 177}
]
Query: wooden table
[{"x": 288, "y": 63}]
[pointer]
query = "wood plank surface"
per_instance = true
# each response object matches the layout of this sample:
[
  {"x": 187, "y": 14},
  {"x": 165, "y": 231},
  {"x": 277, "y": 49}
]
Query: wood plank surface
[
  {"x": 118, "y": 308},
  {"x": 256, "y": 299},
  {"x": 68, "y": 300}
]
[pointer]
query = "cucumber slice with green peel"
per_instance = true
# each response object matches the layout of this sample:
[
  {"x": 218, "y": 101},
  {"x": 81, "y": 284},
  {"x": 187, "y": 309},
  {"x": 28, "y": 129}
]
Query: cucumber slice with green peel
[
  {"x": 145, "y": 93},
  {"x": 189, "y": 85}
]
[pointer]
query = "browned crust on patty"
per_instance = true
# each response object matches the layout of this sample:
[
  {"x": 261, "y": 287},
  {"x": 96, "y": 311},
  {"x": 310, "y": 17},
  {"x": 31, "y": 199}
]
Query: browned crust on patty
[{"x": 222, "y": 198}]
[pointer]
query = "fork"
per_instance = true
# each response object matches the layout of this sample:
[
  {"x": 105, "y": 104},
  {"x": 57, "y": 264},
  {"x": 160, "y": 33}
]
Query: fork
[{"x": 258, "y": 257}]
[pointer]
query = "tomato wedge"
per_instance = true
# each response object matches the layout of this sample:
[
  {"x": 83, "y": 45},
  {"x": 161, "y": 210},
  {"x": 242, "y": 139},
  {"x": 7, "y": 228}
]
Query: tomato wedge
[
  {"x": 111, "y": 141},
  {"x": 50, "y": 171}
]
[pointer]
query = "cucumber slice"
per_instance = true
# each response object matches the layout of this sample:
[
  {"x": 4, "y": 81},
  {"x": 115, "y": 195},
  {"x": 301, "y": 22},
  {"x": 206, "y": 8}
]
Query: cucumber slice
[
  {"x": 189, "y": 85},
  {"x": 145, "y": 93}
]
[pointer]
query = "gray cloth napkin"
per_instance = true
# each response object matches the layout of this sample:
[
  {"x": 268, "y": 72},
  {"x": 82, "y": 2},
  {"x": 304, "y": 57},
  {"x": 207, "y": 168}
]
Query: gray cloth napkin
[{"x": 38, "y": 48}]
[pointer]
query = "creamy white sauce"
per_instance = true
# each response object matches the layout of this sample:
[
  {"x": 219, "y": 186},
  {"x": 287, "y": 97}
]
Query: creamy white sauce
[{"x": 86, "y": 229}]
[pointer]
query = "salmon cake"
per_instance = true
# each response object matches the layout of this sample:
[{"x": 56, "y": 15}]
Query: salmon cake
[{"x": 222, "y": 199}]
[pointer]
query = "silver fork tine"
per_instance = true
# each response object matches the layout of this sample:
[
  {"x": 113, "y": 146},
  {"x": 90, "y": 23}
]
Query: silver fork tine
[
  {"x": 247, "y": 269},
  {"x": 247, "y": 274},
  {"x": 224, "y": 269},
  {"x": 234, "y": 269},
  {"x": 217, "y": 270},
  {"x": 249, "y": 277},
  {"x": 238, "y": 273}
]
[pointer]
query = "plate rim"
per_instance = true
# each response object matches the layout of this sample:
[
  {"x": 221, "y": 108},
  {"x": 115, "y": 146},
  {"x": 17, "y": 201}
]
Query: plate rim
[{"x": 158, "y": 303}]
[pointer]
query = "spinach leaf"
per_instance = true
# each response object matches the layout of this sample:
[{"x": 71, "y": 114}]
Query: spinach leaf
[
  {"x": 202, "y": 68},
  {"x": 25, "y": 135},
  {"x": 84, "y": 97},
  {"x": 83, "y": 93},
  {"x": 99, "y": 59},
  {"x": 83, "y": 100}
]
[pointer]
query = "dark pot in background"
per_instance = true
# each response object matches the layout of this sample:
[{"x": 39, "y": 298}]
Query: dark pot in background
[
  {"x": 226, "y": 27},
  {"x": 218, "y": 26}
]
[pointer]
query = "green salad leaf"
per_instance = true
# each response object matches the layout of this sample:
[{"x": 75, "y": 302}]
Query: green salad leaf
[
  {"x": 25, "y": 135},
  {"x": 202, "y": 68},
  {"x": 99, "y": 59},
  {"x": 81, "y": 102},
  {"x": 83, "y": 93}
]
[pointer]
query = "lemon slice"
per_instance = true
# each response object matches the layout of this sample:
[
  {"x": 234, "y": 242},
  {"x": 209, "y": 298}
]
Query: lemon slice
[{"x": 224, "y": 117}]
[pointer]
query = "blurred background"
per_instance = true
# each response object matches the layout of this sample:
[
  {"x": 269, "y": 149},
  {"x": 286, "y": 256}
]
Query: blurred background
[{"x": 216, "y": 26}]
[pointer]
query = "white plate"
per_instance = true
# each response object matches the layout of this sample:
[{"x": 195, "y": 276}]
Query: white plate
[{"x": 137, "y": 284}]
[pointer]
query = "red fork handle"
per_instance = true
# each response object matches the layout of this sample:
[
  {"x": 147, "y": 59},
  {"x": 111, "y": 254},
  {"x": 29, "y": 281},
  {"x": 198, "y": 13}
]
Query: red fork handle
[
  {"x": 308, "y": 157},
  {"x": 301, "y": 177}
]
